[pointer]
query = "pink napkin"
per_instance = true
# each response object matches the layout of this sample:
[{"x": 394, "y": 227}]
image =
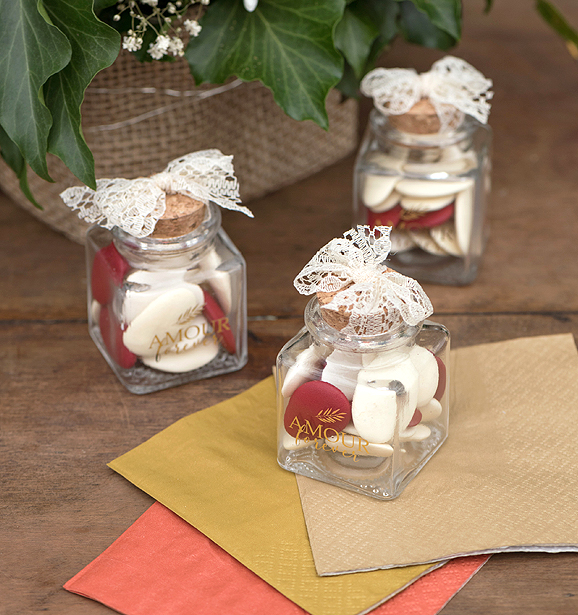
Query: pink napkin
[{"x": 162, "y": 565}]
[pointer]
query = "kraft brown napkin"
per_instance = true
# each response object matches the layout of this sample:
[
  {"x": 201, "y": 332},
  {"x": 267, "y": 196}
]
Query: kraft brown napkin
[
  {"x": 217, "y": 469},
  {"x": 505, "y": 479}
]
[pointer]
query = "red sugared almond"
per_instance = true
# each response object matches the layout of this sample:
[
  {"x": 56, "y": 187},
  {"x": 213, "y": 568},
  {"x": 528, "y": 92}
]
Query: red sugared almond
[
  {"x": 220, "y": 323},
  {"x": 416, "y": 419},
  {"x": 386, "y": 218},
  {"x": 314, "y": 408},
  {"x": 108, "y": 271},
  {"x": 427, "y": 220},
  {"x": 111, "y": 333},
  {"x": 442, "y": 380}
]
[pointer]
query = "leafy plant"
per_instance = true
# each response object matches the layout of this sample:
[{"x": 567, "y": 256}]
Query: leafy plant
[{"x": 50, "y": 50}]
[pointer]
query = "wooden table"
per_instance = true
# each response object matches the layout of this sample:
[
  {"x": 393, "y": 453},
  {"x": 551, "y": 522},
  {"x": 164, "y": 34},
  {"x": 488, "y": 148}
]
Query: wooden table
[{"x": 63, "y": 415}]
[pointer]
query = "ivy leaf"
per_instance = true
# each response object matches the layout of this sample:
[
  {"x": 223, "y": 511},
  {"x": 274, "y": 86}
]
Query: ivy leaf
[
  {"x": 417, "y": 28},
  {"x": 16, "y": 162},
  {"x": 31, "y": 50},
  {"x": 64, "y": 92},
  {"x": 103, "y": 4},
  {"x": 443, "y": 14},
  {"x": 560, "y": 25},
  {"x": 285, "y": 44},
  {"x": 354, "y": 36}
]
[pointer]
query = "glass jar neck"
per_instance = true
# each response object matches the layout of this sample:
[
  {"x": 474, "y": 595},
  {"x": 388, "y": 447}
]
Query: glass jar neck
[
  {"x": 323, "y": 333},
  {"x": 170, "y": 251},
  {"x": 387, "y": 134}
]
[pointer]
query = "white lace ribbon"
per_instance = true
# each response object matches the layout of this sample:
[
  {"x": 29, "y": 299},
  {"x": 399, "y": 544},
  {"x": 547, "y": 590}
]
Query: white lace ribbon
[
  {"x": 450, "y": 84},
  {"x": 135, "y": 205},
  {"x": 376, "y": 297}
]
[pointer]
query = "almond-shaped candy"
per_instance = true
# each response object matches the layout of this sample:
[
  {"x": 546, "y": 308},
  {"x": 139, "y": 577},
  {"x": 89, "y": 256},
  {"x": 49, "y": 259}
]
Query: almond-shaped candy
[
  {"x": 419, "y": 188},
  {"x": 374, "y": 411},
  {"x": 383, "y": 389},
  {"x": 442, "y": 379},
  {"x": 219, "y": 281},
  {"x": 376, "y": 188},
  {"x": 464, "y": 219},
  {"x": 108, "y": 270},
  {"x": 425, "y": 204},
  {"x": 389, "y": 203},
  {"x": 401, "y": 241},
  {"x": 143, "y": 287},
  {"x": 219, "y": 323},
  {"x": 445, "y": 236},
  {"x": 186, "y": 361},
  {"x": 423, "y": 239},
  {"x": 390, "y": 217},
  {"x": 165, "y": 321},
  {"x": 341, "y": 370},
  {"x": 413, "y": 221},
  {"x": 112, "y": 336},
  {"x": 427, "y": 368},
  {"x": 316, "y": 410},
  {"x": 308, "y": 366},
  {"x": 431, "y": 410},
  {"x": 385, "y": 161},
  {"x": 292, "y": 444},
  {"x": 449, "y": 167},
  {"x": 354, "y": 445}
]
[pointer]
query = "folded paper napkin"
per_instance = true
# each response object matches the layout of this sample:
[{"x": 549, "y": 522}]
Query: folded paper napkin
[
  {"x": 161, "y": 564},
  {"x": 217, "y": 469},
  {"x": 504, "y": 480}
]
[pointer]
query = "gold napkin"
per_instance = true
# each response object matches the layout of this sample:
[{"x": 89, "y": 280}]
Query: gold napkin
[
  {"x": 505, "y": 479},
  {"x": 217, "y": 469}
]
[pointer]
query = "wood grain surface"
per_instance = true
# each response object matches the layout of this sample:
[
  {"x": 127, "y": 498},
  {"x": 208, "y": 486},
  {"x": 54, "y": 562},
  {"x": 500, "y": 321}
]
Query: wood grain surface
[{"x": 63, "y": 414}]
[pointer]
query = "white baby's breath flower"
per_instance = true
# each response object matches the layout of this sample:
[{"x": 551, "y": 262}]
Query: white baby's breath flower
[
  {"x": 192, "y": 27},
  {"x": 160, "y": 47},
  {"x": 250, "y": 5},
  {"x": 171, "y": 8},
  {"x": 150, "y": 2},
  {"x": 132, "y": 42},
  {"x": 176, "y": 46},
  {"x": 205, "y": 2}
]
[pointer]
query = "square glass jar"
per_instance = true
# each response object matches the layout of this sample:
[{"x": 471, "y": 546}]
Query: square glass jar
[
  {"x": 362, "y": 412},
  {"x": 432, "y": 189},
  {"x": 166, "y": 311}
]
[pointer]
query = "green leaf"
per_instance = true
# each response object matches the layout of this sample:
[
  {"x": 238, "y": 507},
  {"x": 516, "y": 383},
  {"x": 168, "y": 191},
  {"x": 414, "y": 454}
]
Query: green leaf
[
  {"x": 285, "y": 44},
  {"x": 15, "y": 161},
  {"x": 384, "y": 14},
  {"x": 417, "y": 28},
  {"x": 354, "y": 36},
  {"x": 64, "y": 92},
  {"x": 103, "y": 4},
  {"x": 444, "y": 14},
  {"x": 560, "y": 25},
  {"x": 349, "y": 83},
  {"x": 31, "y": 50}
]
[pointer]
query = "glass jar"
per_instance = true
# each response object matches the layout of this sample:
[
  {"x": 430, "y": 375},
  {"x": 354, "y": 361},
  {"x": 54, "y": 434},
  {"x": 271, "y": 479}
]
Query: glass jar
[
  {"x": 432, "y": 189},
  {"x": 362, "y": 412},
  {"x": 165, "y": 311}
]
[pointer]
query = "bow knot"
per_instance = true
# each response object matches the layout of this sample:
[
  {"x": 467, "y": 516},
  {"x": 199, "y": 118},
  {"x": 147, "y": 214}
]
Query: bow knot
[
  {"x": 135, "y": 205},
  {"x": 451, "y": 84},
  {"x": 374, "y": 296}
]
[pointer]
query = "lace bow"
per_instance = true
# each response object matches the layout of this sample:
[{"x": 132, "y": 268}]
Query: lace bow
[
  {"x": 450, "y": 84},
  {"x": 374, "y": 296},
  {"x": 135, "y": 205}
]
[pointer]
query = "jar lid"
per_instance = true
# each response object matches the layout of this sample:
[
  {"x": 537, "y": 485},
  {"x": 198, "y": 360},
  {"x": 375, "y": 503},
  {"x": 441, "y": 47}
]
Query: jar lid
[{"x": 182, "y": 215}]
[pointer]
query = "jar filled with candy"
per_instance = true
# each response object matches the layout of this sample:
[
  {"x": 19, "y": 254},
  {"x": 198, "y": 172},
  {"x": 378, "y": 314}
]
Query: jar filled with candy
[
  {"x": 424, "y": 168},
  {"x": 362, "y": 389},
  {"x": 166, "y": 286}
]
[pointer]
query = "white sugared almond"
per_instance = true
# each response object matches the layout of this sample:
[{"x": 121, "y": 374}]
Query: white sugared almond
[
  {"x": 341, "y": 370},
  {"x": 415, "y": 434},
  {"x": 186, "y": 361},
  {"x": 307, "y": 366},
  {"x": 348, "y": 443},
  {"x": 425, "y": 204},
  {"x": 431, "y": 410},
  {"x": 389, "y": 203},
  {"x": 165, "y": 315},
  {"x": 445, "y": 236},
  {"x": 419, "y": 188},
  {"x": 464, "y": 217},
  {"x": 376, "y": 188},
  {"x": 427, "y": 368},
  {"x": 425, "y": 241}
]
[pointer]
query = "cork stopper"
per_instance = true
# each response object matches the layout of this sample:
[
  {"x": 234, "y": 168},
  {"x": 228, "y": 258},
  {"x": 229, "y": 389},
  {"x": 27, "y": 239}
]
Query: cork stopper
[
  {"x": 182, "y": 215},
  {"x": 336, "y": 319},
  {"x": 421, "y": 119}
]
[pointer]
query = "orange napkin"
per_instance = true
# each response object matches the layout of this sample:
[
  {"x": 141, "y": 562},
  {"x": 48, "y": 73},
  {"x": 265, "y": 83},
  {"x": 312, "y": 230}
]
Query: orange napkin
[{"x": 161, "y": 564}]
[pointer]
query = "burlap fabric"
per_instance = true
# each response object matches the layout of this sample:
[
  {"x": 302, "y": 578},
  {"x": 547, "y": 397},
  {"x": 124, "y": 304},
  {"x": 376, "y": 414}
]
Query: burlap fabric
[{"x": 137, "y": 117}]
